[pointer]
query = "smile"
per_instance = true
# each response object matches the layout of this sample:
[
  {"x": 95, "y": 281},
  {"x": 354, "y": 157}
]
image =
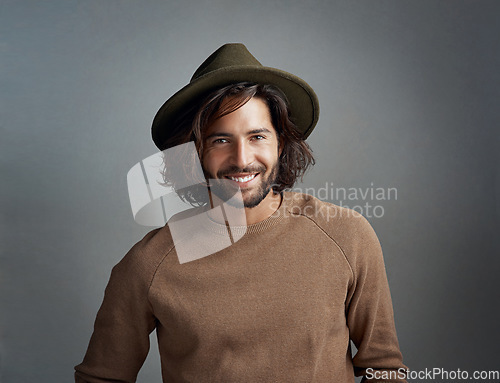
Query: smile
[{"x": 243, "y": 179}]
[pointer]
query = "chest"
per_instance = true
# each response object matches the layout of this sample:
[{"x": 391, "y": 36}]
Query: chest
[{"x": 255, "y": 287}]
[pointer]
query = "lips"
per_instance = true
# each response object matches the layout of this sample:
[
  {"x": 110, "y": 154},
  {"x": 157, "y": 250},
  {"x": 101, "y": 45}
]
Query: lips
[
  {"x": 242, "y": 179},
  {"x": 242, "y": 176}
]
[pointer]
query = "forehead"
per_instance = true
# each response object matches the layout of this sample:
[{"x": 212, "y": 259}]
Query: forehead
[{"x": 254, "y": 114}]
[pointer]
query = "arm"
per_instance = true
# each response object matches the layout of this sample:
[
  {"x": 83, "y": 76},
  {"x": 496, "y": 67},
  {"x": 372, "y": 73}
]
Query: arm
[
  {"x": 120, "y": 342},
  {"x": 369, "y": 312}
]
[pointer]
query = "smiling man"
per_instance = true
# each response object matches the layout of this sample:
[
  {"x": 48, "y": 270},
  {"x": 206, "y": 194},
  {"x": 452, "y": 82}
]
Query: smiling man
[
  {"x": 243, "y": 147},
  {"x": 283, "y": 302}
]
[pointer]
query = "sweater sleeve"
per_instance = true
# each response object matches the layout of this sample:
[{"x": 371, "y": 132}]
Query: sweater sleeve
[
  {"x": 120, "y": 341},
  {"x": 369, "y": 313}
]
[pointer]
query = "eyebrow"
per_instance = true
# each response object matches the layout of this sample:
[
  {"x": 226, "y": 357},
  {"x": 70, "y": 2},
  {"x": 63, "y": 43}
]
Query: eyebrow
[{"x": 223, "y": 134}]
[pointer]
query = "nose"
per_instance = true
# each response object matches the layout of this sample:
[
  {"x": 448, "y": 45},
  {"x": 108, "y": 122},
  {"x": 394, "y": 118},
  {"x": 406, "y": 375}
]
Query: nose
[{"x": 242, "y": 154}]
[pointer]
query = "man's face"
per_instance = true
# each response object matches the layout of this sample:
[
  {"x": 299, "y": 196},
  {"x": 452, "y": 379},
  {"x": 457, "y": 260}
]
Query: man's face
[{"x": 241, "y": 148}]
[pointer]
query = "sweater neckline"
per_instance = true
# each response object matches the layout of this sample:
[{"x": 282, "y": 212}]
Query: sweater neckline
[{"x": 256, "y": 228}]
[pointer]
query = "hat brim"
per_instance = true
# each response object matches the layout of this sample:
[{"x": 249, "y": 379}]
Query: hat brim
[{"x": 304, "y": 105}]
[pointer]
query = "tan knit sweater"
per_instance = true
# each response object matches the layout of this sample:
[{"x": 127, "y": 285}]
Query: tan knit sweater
[{"x": 279, "y": 305}]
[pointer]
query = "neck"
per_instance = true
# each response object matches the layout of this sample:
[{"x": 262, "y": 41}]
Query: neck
[
  {"x": 256, "y": 214},
  {"x": 264, "y": 209}
]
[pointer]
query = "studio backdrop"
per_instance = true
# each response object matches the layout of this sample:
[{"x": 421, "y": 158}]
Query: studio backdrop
[{"x": 408, "y": 136}]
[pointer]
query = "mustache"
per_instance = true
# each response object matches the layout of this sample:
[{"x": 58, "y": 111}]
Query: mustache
[{"x": 234, "y": 170}]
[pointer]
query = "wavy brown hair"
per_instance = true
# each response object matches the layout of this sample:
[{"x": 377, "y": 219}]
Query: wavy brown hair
[{"x": 295, "y": 158}]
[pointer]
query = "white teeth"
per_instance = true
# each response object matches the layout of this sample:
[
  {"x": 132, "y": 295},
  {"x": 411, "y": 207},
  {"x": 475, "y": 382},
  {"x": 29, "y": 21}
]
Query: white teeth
[{"x": 243, "y": 179}]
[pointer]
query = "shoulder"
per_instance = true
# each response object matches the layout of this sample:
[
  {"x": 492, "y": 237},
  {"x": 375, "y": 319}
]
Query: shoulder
[
  {"x": 142, "y": 260},
  {"x": 350, "y": 230},
  {"x": 328, "y": 216}
]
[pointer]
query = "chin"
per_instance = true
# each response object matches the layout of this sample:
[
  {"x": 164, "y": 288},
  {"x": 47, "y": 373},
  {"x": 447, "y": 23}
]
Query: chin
[{"x": 254, "y": 201}]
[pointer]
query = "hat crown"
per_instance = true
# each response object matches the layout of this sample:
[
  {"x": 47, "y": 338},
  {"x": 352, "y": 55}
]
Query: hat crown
[
  {"x": 227, "y": 56},
  {"x": 232, "y": 64}
]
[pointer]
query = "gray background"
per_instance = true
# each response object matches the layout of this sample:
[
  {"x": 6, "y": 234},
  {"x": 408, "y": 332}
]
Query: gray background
[{"x": 409, "y": 92}]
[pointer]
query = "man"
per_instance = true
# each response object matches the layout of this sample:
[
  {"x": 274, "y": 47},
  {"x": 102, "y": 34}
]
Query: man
[{"x": 302, "y": 279}]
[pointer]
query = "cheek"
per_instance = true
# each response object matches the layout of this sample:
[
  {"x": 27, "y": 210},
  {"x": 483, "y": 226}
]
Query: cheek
[
  {"x": 211, "y": 161},
  {"x": 271, "y": 156}
]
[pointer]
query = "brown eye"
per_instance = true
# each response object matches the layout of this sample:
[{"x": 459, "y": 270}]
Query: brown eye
[{"x": 219, "y": 141}]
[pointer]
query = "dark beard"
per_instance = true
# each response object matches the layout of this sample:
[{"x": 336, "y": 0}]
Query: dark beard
[{"x": 222, "y": 188}]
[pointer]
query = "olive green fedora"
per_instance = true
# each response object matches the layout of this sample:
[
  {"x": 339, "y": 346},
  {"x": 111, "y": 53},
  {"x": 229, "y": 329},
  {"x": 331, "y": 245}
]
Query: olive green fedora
[{"x": 230, "y": 64}]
